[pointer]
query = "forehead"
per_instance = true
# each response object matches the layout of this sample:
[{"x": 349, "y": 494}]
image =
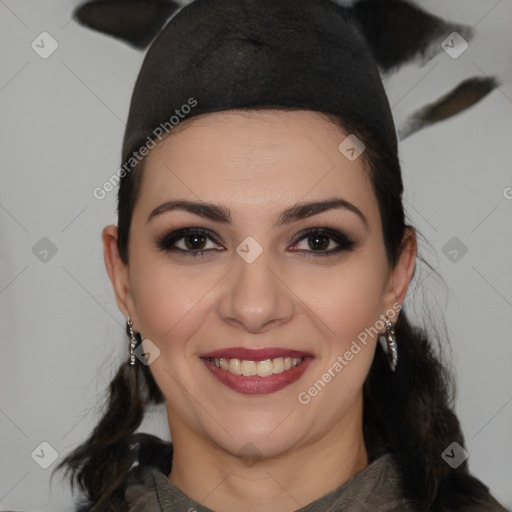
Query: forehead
[{"x": 256, "y": 161}]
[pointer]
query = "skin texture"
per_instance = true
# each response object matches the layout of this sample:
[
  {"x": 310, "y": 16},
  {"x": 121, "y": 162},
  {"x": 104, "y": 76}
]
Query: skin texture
[{"x": 257, "y": 164}]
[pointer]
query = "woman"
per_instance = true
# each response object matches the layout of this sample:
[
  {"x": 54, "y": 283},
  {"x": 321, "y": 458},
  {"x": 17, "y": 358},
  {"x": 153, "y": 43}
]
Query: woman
[{"x": 260, "y": 255}]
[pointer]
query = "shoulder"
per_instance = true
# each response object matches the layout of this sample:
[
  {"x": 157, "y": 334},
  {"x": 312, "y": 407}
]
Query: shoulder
[
  {"x": 465, "y": 493},
  {"x": 152, "y": 456},
  {"x": 458, "y": 492},
  {"x": 152, "y": 451}
]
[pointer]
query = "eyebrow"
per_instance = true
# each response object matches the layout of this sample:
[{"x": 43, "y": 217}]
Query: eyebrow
[{"x": 222, "y": 214}]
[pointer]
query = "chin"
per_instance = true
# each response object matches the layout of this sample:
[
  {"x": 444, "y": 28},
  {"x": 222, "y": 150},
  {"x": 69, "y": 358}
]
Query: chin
[{"x": 269, "y": 438}]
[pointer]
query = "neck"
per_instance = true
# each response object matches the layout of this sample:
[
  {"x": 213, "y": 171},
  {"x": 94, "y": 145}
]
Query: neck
[{"x": 225, "y": 483}]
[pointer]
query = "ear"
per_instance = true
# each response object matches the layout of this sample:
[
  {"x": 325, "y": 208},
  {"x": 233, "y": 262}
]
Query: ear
[
  {"x": 117, "y": 271},
  {"x": 402, "y": 272},
  {"x": 134, "y": 22}
]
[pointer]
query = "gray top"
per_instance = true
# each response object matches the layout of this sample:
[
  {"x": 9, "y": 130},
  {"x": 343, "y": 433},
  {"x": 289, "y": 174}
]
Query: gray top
[{"x": 375, "y": 489}]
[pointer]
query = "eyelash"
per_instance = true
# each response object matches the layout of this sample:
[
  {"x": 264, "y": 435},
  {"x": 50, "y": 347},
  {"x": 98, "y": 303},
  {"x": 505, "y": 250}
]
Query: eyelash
[{"x": 167, "y": 241}]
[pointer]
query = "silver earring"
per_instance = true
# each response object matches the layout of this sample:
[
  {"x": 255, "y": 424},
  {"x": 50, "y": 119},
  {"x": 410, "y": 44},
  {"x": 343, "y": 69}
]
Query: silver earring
[
  {"x": 133, "y": 342},
  {"x": 391, "y": 345}
]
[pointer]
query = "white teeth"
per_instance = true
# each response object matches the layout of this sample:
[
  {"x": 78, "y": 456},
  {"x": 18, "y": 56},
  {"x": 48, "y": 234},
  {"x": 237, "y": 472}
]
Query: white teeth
[
  {"x": 278, "y": 365},
  {"x": 248, "y": 368},
  {"x": 235, "y": 366},
  {"x": 265, "y": 368},
  {"x": 260, "y": 368}
]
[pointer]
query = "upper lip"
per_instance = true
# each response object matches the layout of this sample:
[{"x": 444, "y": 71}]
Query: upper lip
[{"x": 252, "y": 354}]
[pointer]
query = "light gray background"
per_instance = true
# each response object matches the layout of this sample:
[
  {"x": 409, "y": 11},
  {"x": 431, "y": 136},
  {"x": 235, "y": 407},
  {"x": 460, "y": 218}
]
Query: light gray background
[{"x": 62, "y": 334}]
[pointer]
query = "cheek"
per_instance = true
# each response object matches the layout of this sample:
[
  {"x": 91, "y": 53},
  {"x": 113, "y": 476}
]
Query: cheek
[
  {"x": 348, "y": 301},
  {"x": 168, "y": 299},
  {"x": 171, "y": 298},
  {"x": 347, "y": 298}
]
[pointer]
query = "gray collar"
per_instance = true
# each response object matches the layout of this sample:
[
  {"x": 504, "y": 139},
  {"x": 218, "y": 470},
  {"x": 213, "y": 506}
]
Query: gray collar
[{"x": 375, "y": 489}]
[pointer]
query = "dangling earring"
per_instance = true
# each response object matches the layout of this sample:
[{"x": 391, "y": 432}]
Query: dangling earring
[
  {"x": 392, "y": 348},
  {"x": 133, "y": 342}
]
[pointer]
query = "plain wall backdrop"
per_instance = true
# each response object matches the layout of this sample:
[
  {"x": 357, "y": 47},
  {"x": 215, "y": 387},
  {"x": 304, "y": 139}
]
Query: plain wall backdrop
[{"x": 62, "y": 122}]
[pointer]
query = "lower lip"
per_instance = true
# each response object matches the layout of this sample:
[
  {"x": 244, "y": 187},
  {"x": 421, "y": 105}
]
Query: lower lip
[{"x": 255, "y": 385}]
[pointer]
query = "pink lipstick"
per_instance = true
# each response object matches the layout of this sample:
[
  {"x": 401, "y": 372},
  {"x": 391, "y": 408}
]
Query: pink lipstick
[{"x": 257, "y": 371}]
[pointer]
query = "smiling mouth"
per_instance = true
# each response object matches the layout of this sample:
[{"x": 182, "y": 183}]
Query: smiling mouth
[
  {"x": 263, "y": 368},
  {"x": 257, "y": 371}
]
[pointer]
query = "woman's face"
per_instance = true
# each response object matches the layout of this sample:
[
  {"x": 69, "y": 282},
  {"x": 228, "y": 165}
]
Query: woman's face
[{"x": 279, "y": 284}]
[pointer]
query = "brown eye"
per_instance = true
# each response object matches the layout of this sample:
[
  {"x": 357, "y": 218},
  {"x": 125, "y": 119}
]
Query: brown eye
[
  {"x": 319, "y": 240},
  {"x": 188, "y": 242},
  {"x": 195, "y": 241}
]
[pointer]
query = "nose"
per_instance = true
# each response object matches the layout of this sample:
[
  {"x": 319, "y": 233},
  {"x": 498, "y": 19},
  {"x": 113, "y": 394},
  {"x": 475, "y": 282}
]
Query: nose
[{"x": 256, "y": 296}]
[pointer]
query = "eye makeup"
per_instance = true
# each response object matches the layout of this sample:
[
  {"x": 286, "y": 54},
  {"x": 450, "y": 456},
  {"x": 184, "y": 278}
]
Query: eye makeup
[{"x": 191, "y": 241}]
